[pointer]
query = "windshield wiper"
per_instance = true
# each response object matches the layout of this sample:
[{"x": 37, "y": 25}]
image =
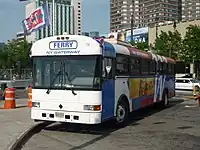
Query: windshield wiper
[
  {"x": 57, "y": 75},
  {"x": 67, "y": 75}
]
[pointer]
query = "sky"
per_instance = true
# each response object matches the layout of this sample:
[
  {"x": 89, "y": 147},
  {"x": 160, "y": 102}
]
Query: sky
[{"x": 12, "y": 12}]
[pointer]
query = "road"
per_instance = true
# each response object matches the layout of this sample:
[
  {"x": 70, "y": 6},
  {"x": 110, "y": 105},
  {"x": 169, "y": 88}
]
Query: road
[{"x": 177, "y": 127}]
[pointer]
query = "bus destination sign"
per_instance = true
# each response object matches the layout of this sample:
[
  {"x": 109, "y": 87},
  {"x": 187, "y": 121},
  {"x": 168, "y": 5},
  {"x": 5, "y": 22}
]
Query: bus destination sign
[{"x": 63, "y": 45}]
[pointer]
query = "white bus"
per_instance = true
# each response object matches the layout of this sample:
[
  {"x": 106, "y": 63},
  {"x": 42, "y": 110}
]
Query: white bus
[{"x": 78, "y": 79}]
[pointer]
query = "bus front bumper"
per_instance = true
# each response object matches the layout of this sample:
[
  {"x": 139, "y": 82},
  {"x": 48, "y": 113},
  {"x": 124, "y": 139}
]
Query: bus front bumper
[{"x": 65, "y": 116}]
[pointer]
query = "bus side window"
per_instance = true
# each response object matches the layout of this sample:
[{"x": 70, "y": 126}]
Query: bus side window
[
  {"x": 107, "y": 68},
  {"x": 160, "y": 68},
  {"x": 135, "y": 67},
  {"x": 122, "y": 65},
  {"x": 152, "y": 68}
]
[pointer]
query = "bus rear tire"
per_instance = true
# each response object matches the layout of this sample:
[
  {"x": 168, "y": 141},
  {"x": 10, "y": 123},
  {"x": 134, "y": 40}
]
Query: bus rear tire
[
  {"x": 165, "y": 100},
  {"x": 122, "y": 113}
]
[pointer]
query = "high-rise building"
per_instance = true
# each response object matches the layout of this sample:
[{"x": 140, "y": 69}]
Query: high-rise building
[
  {"x": 77, "y": 5},
  {"x": 190, "y": 9},
  {"x": 143, "y": 12},
  {"x": 68, "y": 18}
]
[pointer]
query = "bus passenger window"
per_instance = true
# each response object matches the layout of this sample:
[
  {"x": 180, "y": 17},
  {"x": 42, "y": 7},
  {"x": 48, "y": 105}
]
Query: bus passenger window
[
  {"x": 122, "y": 67},
  {"x": 152, "y": 67},
  {"x": 134, "y": 67}
]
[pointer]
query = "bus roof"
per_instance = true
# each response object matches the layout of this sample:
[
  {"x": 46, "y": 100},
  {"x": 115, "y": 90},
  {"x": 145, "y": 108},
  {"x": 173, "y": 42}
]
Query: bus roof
[
  {"x": 82, "y": 45},
  {"x": 127, "y": 49},
  {"x": 66, "y": 45}
]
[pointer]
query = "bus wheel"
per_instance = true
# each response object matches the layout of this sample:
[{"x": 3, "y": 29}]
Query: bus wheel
[
  {"x": 121, "y": 112},
  {"x": 165, "y": 101}
]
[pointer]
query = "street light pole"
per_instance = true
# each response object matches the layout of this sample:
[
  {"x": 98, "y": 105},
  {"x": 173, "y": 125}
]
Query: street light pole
[
  {"x": 170, "y": 51},
  {"x": 132, "y": 22},
  {"x": 156, "y": 27},
  {"x": 131, "y": 29}
]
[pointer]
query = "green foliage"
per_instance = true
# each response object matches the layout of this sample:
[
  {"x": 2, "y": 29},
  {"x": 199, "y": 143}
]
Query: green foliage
[
  {"x": 140, "y": 45},
  {"x": 169, "y": 44},
  {"x": 15, "y": 52},
  {"x": 191, "y": 43}
]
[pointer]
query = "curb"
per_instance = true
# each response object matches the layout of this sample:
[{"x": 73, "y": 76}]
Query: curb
[
  {"x": 18, "y": 143},
  {"x": 189, "y": 97}
]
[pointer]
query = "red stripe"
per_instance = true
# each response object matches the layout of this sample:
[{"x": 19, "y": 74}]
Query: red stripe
[
  {"x": 138, "y": 53},
  {"x": 146, "y": 102}
]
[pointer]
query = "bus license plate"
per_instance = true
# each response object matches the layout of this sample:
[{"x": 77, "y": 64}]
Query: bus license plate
[{"x": 59, "y": 114}]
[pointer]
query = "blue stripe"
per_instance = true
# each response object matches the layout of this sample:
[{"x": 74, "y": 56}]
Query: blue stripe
[
  {"x": 108, "y": 99},
  {"x": 137, "y": 103},
  {"x": 109, "y": 50}
]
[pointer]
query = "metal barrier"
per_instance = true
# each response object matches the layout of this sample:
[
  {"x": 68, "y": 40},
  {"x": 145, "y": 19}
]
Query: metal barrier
[
  {"x": 18, "y": 84},
  {"x": 13, "y": 74}
]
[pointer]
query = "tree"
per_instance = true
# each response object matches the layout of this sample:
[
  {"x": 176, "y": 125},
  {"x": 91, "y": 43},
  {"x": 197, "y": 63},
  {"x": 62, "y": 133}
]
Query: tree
[
  {"x": 169, "y": 44},
  {"x": 14, "y": 53},
  {"x": 191, "y": 44},
  {"x": 3, "y": 57}
]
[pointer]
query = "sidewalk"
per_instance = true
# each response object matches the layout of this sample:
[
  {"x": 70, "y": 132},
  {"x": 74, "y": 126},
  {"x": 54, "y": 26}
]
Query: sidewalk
[{"x": 13, "y": 122}]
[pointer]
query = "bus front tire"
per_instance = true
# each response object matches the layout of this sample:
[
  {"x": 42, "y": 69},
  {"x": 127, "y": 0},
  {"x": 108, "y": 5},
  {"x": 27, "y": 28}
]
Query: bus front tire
[{"x": 122, "y": 113}]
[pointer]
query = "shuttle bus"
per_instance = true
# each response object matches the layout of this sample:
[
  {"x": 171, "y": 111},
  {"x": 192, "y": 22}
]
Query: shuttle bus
[{"x": 78, "y": 79}]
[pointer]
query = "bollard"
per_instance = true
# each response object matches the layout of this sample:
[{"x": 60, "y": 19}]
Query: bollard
[
  {"x": 195, "y": 91},
  {"x": 29, "y": 97},
  {"x": 10, "y": 98}
]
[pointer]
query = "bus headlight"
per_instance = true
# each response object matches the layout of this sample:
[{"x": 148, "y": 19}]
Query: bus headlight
[
  {"x": 36, "y": 104},
  {"x": 92, "y": 107}
]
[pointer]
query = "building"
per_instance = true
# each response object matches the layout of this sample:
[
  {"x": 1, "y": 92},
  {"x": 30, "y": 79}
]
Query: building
[
  {"x": 77, "y": 5},
  {"x": 91, "y": 34},
  {"x": 180, "y": 27},
  {"x": 94, "y": 34},
  {"x": 190, "y": 9},
  {"x": 86, "y": 33},
  {"x": 20, "y": 35},
  {"x": 68, "y": 18},
  {"x": 143, "y": 12},
  {"x": 2, "y": 44}
]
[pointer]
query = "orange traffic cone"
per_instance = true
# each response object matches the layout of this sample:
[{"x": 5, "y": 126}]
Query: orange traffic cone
[
  {"x": 30, "y": 97},
  {"x": 10, "y": 98}
]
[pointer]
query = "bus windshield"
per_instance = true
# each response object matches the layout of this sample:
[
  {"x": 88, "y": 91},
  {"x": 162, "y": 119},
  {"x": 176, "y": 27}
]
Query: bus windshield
[{"x": 67, "y": 72}]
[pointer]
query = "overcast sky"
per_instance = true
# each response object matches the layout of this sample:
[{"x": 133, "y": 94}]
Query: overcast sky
[{"x": 12, "y": 12}]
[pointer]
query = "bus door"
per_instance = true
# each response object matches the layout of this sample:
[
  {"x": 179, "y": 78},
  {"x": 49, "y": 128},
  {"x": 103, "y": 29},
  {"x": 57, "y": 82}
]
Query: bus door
[{"x": 108, "y": 88}]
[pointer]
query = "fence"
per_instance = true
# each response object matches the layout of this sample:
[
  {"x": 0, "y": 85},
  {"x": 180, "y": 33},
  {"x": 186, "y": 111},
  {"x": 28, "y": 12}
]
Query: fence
[{"x": 13, "y": 74}]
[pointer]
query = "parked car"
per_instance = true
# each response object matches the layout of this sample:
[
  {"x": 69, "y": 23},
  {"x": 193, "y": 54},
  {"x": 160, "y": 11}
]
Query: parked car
[{"x": 186, "y": 84}]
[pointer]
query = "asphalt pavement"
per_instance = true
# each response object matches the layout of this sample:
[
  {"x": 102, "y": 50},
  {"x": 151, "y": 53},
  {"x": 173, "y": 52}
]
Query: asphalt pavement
[
  {"x": 176, "y": 128},
  {"x": 13, "y": 122}
]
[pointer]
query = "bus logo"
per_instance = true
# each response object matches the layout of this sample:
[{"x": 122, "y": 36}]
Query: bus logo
[{"x": 63, "y": 45}]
